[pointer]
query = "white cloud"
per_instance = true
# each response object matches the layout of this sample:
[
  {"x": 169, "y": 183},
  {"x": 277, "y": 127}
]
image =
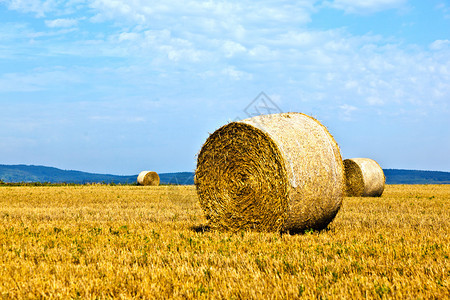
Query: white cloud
[
  {"x": 445, "y": 8},
  {"x": 366, "y": 6},
  {"x": 38, "y": 7},
  {"x": 129, "y": 36},
  {"x": 243, "y": 41},
  {"x": 372, "y": 100},
  {"x": 61, "y": 23},
  {"x": 347, "y": 111},
  {"x": 235, "y": 74},
  {"x": 231, "y": 48},
  {"x": 300, "y": 38},
  {"x": 230, "y": 19},
  {"x": 440, "y": 44}
]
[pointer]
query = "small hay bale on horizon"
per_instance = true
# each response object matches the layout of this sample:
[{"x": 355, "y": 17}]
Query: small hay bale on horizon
[
  {"x": 148, "y": 178},
  {"x": 363, "y": 178},
  {"x": 280, "y": 172}
]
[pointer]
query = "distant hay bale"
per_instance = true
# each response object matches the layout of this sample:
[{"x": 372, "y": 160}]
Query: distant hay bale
[
  {"x": 273, "y": 172},
  {"x": 363, "y": 178},
  {"x": 148, "y": 178}
]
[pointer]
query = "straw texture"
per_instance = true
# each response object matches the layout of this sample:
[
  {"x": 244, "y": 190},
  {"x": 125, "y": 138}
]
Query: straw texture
[
  {"x": 363, "y": 178},
  {"x": 273, "y": 172},
  {"x": 148, "y": 178}
]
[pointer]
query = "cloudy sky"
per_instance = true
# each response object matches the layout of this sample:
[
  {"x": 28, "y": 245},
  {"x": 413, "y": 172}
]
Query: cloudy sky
[{"x": 123, "y": 86}]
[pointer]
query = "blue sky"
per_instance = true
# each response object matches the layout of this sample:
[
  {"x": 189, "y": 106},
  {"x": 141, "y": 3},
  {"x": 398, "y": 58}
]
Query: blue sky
[{"x": 124, "y": 86}]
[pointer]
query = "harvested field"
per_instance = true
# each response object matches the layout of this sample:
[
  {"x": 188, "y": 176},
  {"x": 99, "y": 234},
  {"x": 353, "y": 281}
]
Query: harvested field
[{"x": 131, "y": 241}]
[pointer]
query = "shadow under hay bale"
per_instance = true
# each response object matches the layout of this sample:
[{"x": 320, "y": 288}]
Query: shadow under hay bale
[
  {"x": 148, "y": 178},
  {"x": 363, "y": 178},
  {"x": 201, "y": 228},
  {"x": 280, "y": 172}
]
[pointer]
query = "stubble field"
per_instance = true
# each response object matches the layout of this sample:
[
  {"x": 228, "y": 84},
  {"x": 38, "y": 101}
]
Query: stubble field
[{"x": 150, "y": 242}]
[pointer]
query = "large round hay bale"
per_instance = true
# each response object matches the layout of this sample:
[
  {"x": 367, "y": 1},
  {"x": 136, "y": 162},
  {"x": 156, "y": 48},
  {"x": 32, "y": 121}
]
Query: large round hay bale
[
  {"x": 148, "y": 178},
  {"x": 363, "y": 178},
  {"x": 273, "y": 172}
]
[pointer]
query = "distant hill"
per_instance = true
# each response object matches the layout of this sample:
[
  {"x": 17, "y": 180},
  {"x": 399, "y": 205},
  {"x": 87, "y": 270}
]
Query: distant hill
[
  {"x": 394, "y": 176},
  {"x": 26, "y": 173}
]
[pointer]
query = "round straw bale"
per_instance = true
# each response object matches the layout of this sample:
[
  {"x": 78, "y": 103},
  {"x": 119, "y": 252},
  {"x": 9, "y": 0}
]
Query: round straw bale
[
  {"x": 273, "y": 172},
  {"x": 148, "y": 178},
  {"x": 363, "y": 178}
]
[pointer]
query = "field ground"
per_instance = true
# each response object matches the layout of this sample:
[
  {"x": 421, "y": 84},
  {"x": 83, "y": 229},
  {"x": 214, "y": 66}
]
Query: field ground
[{"x": 148, "y": 242}]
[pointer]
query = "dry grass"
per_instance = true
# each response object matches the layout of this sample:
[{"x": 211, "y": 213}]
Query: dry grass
[
  {"x": 279, "y": 172},
  {"x": 146, "y": 242}
]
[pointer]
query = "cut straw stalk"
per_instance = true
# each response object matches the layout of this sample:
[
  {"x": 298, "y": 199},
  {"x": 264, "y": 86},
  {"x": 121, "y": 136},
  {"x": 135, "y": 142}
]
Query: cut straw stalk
[
  {"x": 363, "y": 178},
  {"x": 148, "y": 178},
  {"x": 273, "y": 172}
]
